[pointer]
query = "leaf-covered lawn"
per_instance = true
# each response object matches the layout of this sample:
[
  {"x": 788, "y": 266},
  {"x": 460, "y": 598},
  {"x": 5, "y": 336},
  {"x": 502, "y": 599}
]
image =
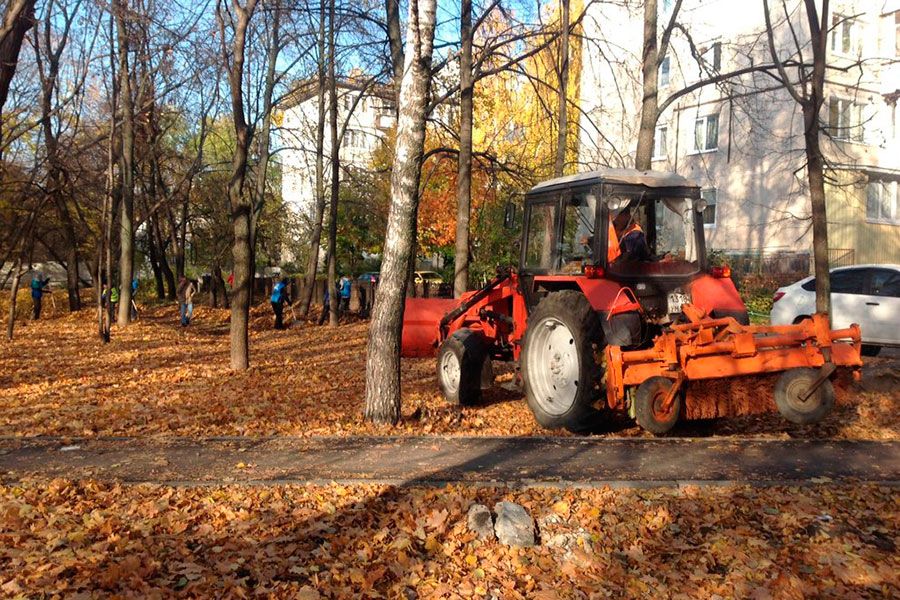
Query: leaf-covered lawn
[
  {"x": 61, "y": 538},
  {"x": 157, "y": 378}
]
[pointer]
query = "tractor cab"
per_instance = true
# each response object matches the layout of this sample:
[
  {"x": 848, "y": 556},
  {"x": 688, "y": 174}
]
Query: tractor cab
[{"x": 642, "y": 230}]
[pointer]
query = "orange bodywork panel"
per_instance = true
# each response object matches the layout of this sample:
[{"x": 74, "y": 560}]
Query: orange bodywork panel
[
  {"x": 421, "y": 317},
  {"x": 716, "y": 348}
]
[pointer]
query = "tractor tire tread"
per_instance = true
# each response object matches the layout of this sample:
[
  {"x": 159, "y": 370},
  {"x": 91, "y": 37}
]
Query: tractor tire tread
[
  {"x": 471, "y": 349},
  {"x": 572, "y": 307}
]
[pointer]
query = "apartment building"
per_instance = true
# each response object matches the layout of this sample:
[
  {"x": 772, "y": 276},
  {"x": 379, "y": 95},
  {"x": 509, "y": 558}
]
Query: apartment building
[
  {"x": 365, "y": 113},
  {"x": 742, "y": 139}
]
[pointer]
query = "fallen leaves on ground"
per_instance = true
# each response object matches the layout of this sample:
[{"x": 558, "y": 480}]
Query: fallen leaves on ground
[
  {"x": 63, "y": 538},
  {"x": 156, "y": 378}
]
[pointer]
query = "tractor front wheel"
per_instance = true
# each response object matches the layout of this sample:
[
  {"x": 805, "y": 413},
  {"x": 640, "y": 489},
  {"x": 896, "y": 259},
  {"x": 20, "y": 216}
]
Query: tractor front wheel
[
  {"x": 649, "y": 410},
  {"x": 790, "y": 390},
  {"x": 559, "y": 361},
  {"x": 460, "y": 363}
]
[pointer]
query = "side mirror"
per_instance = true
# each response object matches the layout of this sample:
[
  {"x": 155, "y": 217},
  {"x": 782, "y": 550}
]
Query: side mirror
[{"x": 509, "y": 216}]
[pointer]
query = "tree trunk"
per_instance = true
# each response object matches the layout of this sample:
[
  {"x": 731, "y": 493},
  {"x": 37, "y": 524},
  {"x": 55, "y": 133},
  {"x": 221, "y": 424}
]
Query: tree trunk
[
  {"x": 218, "y": 288},
  {"x": 126, "y": 224},
  {"x": 168, "y": 276},
  {"x": 650, "y": 98},
  {"x": 154, "y": 252},
  {"x": 335, "y": 168},
  {"x": 239, "y": 206},
  {"x": 815, "y": 161},
  {"x": 395, "y": 43},
  {"x": 17, "y": 20},
  {"x": 815, "y": 164},
  {"x": 104, "y": 253},
  {"x": 562, "y": 131},
  {"x": 13, "y": 297},
  {"x": 177, "y": 237},
  {"x": 464, "y": 166},
  {"x": 383, "y": 358},
  {"x": 312, "y": 265}
]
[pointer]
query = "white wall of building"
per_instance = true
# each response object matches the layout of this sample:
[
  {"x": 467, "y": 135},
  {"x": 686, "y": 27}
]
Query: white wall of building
[
  {"x": 366, "y": 125},
  {"x": 756, "y": 165}
]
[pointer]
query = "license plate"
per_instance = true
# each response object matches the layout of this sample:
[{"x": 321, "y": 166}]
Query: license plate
[{"x": 676, "y": 299}]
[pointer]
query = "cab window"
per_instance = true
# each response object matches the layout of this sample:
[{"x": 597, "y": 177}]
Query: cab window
[
  {"x": 578, "y": 233},
  {"x": 541, "y": 234}
]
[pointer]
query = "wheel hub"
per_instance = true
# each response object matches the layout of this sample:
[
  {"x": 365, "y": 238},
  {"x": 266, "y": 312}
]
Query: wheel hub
[
  {"x": 553, "y": 366},
  {"x": 450, "y": 371}
]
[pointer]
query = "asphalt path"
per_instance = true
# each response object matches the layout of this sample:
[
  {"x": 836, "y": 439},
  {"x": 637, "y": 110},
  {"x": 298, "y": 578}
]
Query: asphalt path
[{"x": 439, "y": 460}]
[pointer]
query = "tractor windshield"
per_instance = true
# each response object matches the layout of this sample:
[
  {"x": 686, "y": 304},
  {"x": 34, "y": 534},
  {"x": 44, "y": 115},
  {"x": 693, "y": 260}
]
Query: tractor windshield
[{"x": 652, "y": 235}]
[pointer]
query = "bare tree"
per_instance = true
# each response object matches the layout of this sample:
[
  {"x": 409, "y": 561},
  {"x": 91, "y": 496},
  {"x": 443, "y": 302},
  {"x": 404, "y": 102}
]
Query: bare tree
[
  {"x": 464, "y": 164},
  {"x": 808, "y": 92},
  {"x": 313, "y": 263},
  {"x": 383, "y": 360},
  {"x": 126, "y": 166},
  {"x": 48, "y": 58},
  {"x": 335, "y": 160},
  {"x": 239, "y": 207},
  {"x": 651, "y": 58}
]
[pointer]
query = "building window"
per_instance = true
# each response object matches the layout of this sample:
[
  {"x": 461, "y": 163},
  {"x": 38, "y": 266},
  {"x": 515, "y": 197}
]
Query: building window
[
  {"x": 897, "y": 33},
  {"x": 664, "y": 72},
  {"x": 706, "y": 133},
  {"x": 882, "y": 203},
  {"x": 845, "y": 120},
  {"x": 711, "y": 58},
  {"x": 709, "y": 212},
  {"x": 352, "y": 139},
  {"x": 660, "y": 139},
  {"x": 845, "y": 35}
]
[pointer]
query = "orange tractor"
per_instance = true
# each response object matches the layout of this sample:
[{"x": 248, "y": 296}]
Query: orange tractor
[{"x": 614, "y": 305}]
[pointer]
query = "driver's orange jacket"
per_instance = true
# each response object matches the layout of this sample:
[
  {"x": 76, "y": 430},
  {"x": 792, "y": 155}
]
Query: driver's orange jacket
[{"x": 613, "y": 252}]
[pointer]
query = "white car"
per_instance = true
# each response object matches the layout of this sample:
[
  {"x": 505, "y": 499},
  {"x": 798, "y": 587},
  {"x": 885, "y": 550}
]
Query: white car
[{"x": 868, "y": 295}]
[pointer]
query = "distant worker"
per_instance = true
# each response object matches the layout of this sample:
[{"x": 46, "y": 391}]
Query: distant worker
[
  {"x": 280, "y": 295},
  {"x": 185, "y": 293},
  {"x": 38, "y": 289},
  {"x": 134, "y": 288},
  {"x": 344, "y": 286},
  {"x": 113, "y": 302}
]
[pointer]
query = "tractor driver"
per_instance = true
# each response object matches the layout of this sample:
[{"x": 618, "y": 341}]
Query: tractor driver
[{"x": 632, "y": 243}]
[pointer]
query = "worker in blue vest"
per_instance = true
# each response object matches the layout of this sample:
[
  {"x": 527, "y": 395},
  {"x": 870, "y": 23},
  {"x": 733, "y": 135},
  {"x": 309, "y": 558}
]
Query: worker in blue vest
[
  {"x": 38, "y": 289},
  {"x": 280, "y": 295},
  {"x": 344, "y": 286}
]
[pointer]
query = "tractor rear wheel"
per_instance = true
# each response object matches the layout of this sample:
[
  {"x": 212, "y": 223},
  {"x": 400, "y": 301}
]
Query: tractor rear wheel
[
  {"x": 648, "y": 406},
  {"x": 561, "y": 361},
  {"x": 790, "y": 389},
  {"x": 460, "y": 363}
]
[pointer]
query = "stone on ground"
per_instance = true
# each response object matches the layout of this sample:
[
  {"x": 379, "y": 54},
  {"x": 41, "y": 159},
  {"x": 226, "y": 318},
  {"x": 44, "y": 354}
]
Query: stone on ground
[
  {"x": 479, "y": 521},
  {"x": 514, "y": 526}
]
